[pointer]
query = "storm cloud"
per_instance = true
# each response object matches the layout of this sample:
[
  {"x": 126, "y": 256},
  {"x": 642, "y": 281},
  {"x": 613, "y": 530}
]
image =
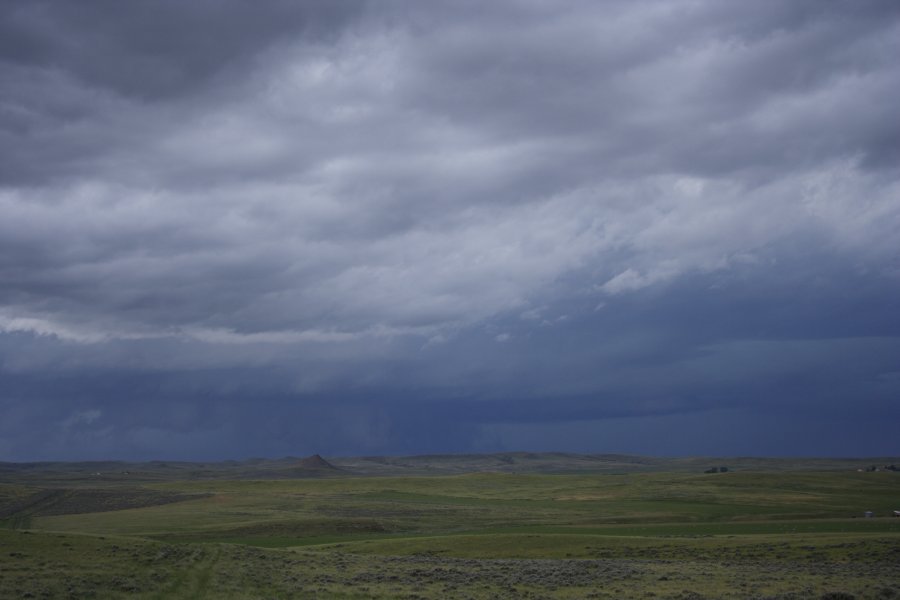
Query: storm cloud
[{"x": 346, "y": 227}]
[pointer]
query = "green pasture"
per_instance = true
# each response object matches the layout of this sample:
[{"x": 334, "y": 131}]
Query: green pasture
[
  {"x": 729, "y": 503},
  {"x": 537, "y": 545},
  {"x": 482, "y": 535}
]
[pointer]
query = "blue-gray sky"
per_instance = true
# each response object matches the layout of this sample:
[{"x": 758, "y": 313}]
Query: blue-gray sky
[{"x": 233, "y": 229}]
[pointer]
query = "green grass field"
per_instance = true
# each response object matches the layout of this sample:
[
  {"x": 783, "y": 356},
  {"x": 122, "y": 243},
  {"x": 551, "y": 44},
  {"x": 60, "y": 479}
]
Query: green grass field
[{"x": 741, "y": 534}]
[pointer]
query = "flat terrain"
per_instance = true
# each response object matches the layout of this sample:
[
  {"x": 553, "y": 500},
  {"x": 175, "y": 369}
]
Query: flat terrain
[{"x": 513, "y": 526}]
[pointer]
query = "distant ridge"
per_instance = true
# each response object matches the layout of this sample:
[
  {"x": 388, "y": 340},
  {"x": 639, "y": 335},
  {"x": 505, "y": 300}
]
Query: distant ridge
[
  {"x": 66, "y": 474},
  {"x": 316, "y": 462}
]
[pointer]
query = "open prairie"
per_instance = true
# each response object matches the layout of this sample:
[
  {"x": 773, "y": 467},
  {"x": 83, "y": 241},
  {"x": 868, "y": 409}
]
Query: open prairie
[{"x": 550, "y": 526}]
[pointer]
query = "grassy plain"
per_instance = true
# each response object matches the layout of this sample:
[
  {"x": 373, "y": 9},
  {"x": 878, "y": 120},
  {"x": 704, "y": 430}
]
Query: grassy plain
[{"x": 778, "y": 533}]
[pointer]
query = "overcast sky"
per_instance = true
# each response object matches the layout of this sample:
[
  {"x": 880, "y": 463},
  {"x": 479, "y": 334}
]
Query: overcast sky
[{"x": 233, "y": 229}]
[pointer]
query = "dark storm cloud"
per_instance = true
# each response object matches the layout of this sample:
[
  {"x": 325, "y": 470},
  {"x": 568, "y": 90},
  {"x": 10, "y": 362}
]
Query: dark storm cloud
[
  {"x": 156, "y": 49},
  {"x": 440, "y": 225},
  {"x": 89, "y": 81}
]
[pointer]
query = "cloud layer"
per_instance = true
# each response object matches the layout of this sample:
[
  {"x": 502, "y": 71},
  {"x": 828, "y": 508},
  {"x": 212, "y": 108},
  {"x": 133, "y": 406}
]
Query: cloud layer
[{"x": 420, "y": 226}]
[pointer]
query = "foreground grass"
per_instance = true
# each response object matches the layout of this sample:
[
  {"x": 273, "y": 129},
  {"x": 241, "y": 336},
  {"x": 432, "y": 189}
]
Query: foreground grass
[
  {"x": 45, "y": 565},
  {"x": 647, "y": 535}
]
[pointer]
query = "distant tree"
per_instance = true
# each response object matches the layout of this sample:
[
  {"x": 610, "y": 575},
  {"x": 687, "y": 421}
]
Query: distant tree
[{"x": 723, "y": 469}]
